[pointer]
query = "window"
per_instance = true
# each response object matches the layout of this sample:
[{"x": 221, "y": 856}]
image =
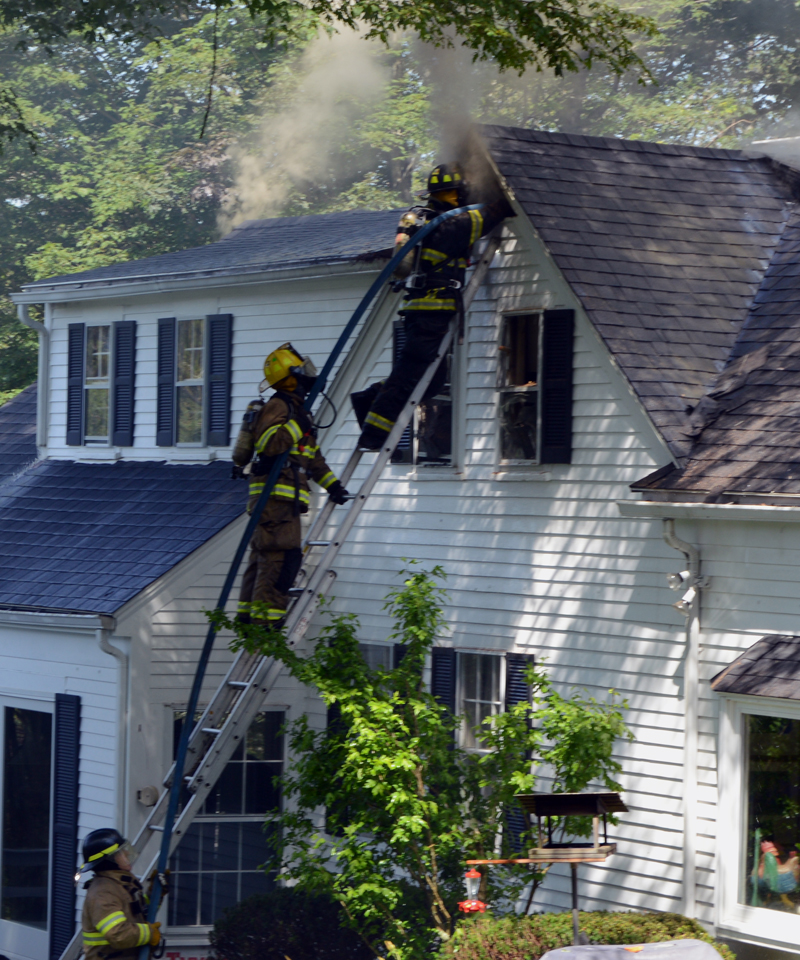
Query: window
[
  {"x": 25, "y": 852},
  {"x": 428, "y": 439},
  {"x": 97, "y": 379},
  {"x": 194, "y": 381},
  {"x": 217, "y": 862},
  {"x": 189, "y": 380},
  {"x": 478, "y": 694},
  {"x": 535, "y": 387},
  {"x": 100, "y": 382},
  {"x": 771, "y": 865}
]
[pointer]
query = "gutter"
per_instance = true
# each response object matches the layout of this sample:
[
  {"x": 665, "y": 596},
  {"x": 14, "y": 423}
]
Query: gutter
[
  {"x": 103, "y": 635},
  {"x": 65, "y": 290},
  {"x": 662, "y": 509},
  {"x": 43, "y": 370}
]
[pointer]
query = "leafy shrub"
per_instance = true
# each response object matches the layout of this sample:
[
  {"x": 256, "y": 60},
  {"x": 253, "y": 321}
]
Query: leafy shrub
[
  {"x": 286, "y": 924},
  {"x": 527, "y": 938}
]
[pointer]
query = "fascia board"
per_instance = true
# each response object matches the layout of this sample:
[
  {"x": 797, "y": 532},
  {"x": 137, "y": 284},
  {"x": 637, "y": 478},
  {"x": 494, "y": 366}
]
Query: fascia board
[
  {"x": 57, "y": 622},
  {"x": 104, "y": 289},
  {"x": 661, "y": 509}
]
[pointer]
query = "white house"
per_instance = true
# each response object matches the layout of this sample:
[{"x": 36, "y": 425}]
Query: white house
[{"x": 636, "y": 327}]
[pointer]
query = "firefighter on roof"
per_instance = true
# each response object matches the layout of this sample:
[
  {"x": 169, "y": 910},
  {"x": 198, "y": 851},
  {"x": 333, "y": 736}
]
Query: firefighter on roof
[
  {"x": 114, "y": 918},
  {"x": 435, "y": 272},
  {"x": 268, "y": 430}
]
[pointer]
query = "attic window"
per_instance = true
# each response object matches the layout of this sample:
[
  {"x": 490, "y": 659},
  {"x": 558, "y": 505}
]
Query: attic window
[
  {"x": 96, "y": 383},
  {"x": 190, "y": 380}
]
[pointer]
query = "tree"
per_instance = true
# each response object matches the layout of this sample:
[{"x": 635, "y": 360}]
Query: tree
[{"x": 404, "y": 805}]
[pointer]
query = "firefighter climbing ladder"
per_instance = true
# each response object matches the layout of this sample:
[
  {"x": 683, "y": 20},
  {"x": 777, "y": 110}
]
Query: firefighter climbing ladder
[{"x": 212, "y": 741}]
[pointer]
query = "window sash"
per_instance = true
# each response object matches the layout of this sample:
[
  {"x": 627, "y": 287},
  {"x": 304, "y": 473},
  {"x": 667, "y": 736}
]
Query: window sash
[
  {"x": 480, "y": 681},
  {"x": 190, "y": 381},
  {"x": 97, "y": 383},
  {"x": 522, "y": 396}
]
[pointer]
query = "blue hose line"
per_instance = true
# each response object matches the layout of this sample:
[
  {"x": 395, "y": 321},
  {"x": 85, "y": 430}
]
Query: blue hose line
[{"x": 194, "y": 697}]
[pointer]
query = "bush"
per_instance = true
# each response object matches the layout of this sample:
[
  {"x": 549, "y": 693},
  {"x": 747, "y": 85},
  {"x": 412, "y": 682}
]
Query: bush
[
  {"x": 527, "y": 938},
  {"x": 286, "y": 924}
]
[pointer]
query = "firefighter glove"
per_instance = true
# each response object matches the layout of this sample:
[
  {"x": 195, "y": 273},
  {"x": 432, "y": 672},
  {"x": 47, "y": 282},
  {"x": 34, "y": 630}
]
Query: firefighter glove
[
  {"x": 164, "y": 883},
  {"x": 237, "y": 472},
  {"x": 155, "y": 934},
  {"x": 304, "y": 421},
  {"x": 337, "y": 493}
]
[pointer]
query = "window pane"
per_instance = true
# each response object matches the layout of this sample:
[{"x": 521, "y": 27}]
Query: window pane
[
  {"x": 254, "y": 846},
  {"x": 190, "y": 414},
  {"x": 518, "y": 425},
  {"x": 26, "y": 816},
  {"x": 772, "y": 862},
  {"x": 97, "y": 414},
  {"x": 521, "y": 350},
  {"x": 469, "y": 675},
  {"x": 218, "y": 891},
  {"x": 97, "y": 353},
  {"x": 190, "y": 350}
]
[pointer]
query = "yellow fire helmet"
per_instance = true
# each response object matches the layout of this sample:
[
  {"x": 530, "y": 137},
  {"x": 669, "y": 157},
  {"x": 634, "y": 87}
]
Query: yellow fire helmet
[{"x": 285, "y": 362}]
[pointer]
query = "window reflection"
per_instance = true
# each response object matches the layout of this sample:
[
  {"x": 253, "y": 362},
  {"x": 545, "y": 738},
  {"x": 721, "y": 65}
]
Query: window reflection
[
  {"x": 26, "y": 816},
  {"x": 772, "y": 863}
]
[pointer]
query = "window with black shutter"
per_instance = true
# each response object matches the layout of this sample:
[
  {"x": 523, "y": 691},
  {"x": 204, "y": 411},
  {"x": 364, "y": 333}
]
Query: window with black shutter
[
  {"x": 428, "y": 439},
  {"x": 518, "y": 690},
  {"x": 443, "y": 676},
  {"x": 101, "y": 362},
  {"x": 535, "y": 387},
  {"x": 194, "y": 381},
  {"x": 66, "y": 763}
]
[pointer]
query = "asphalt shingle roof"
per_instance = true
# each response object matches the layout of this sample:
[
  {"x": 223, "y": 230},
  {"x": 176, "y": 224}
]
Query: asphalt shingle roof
[
  {"x": 18, "y": 433},
  {"x": 256, "y": 246},
  {"x": 770, "y": 668},
  {"x": 665, "y": 245},
  {"x": 89, "y": 537}
]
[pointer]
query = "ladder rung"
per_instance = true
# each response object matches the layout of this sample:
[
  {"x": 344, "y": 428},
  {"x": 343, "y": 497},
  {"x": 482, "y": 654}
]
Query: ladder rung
[
  {"x": 318, "y": 543},
  {"x": 211, "y": 730},
  {"x": 154, "y": 827},
  {"x": 239, "y": 684},
  {"x": 296, "y": 591}
]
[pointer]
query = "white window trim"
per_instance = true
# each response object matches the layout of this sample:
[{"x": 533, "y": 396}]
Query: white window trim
[
  {"x": 770, "y": 927},
  {"x": 505, "y": 466},
  {"x": 17, "y": 937}
]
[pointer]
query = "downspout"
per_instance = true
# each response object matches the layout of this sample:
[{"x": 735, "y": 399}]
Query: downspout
[
  {"x": 103, "y": 639},
  {"x": 43, "y": 369},
  {"x": 689, "y": 605}
]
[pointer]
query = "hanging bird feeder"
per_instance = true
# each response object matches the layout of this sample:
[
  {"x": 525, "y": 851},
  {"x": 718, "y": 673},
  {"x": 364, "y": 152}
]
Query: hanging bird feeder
[{"x": 472, "y": 904}]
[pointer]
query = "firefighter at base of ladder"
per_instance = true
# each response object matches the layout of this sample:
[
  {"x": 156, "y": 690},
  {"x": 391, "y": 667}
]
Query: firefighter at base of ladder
[
  {"x": 269, "y": 430},
  {"x": 114, "y": 921},
  {"x": 434, "y": 275}
]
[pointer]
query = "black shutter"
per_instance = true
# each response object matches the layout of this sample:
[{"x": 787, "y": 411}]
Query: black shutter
[
  {"x": 124, "y": 377},
  {"x": 165, "y": 405},
  {"x": 443, "y": 676},
  {"x": 557, "y": 350},
  {"x": 517, "y": 691},
  {"x": 218, "y": 380},
  {"x": 403, "y": 452},
  {"x": 398, "y": 652},
  {"x": 65, "y": 821},
  {"x": 75, "y": 385}
]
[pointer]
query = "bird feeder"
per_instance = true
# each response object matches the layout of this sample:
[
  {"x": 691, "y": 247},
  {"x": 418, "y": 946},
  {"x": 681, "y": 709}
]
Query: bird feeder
[
  {"x": 472, "y": 904},
  {"x": 545, "y": 806}
]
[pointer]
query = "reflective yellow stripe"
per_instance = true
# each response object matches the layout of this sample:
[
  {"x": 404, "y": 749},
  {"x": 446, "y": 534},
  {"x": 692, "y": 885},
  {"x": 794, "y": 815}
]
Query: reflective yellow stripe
[
  {"x": 477, "y": 225},
  {"x": 111, "y": 921},
  {"x": 254, "y": 489},
  {"x": 375, "y": 420},
  {"x": 262, "y": 612},
  {"x": 94, "y": 940},
  {"x": 144, "y": 934},
  {"x": 328, "y": 480},
  {"x": 266, "y": 436},
  {"x": 294, "y": 429},
  {"x": 284, "y": 490},
  {"x": 243, "y": 607},
  {"x": 96, "y": 856},
  {"x": 430, "y": 305},
  {"x": 435, "y": 256}
]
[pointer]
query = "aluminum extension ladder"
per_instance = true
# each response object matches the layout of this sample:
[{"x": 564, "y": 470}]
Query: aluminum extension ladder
[{"x": 251, "y": 677}]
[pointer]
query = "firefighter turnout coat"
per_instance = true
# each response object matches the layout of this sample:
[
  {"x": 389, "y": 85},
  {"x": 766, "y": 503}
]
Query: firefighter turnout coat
[
  {"x": 270, "y": 429},
  {"x": 114, "y": 917}
]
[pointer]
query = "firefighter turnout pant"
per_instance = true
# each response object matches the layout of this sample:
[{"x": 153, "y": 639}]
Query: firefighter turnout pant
[
  {"x": 424, "y": 333},
  {"x": 275, "y": 558}
]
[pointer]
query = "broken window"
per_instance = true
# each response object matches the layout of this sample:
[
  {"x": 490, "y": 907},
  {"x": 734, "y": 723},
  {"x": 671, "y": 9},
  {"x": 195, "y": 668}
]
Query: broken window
[
  {"x": 520, "y": 350},
  {"x": 428, "y": 439}
]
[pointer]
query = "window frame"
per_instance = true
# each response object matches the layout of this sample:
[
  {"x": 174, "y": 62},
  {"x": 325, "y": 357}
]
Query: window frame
[
  {"x": 91, "y": 441},
  {"x": 506, "y": 389},
  {"x": 18, "y": 937},
  {"x": 460, "y": 699},
  {"x": 190, "y": 932},
  {"x": 203, "y": 383},
  {"x": 736, "y": 919}
]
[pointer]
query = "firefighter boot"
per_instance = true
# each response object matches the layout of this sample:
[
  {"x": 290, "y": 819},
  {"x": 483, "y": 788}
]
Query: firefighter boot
[{"x": 362, "y": 401}]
